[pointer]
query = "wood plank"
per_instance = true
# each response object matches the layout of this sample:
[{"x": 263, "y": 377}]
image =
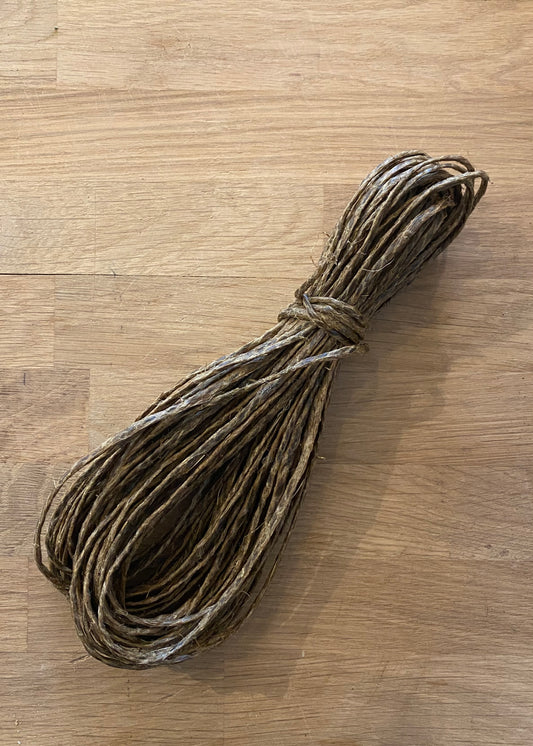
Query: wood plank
[
  {"x": 413, "y": 417},
  {"x": 44, "y": 414},
  {"x": 30, "y": 65},
  {"x": 26, "y": 321},
  {"x": 308, "y": 45},
  {"x": 13, "y": 604},
  {"x": 47, "y": 228},
  {"x": 208, "y": 228},
  {"x": 28, "y": 53},
  {"x": 463, "y": 511},
  {"x": 152, "y": 322},
  {"x": 58, "y": 695},
  {"x": 23, "y": 489},
  {"x": 442, "y": 700},
  {"x": 116, "y": 135},
  {"x": 161, "y": 228}
]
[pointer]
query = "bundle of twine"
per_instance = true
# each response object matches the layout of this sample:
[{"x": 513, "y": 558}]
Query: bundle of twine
[{"x": 165, "y": 536}]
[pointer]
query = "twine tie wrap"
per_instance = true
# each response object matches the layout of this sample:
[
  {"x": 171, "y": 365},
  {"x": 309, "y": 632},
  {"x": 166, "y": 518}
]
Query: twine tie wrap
[{"x": 340, "y": 320}]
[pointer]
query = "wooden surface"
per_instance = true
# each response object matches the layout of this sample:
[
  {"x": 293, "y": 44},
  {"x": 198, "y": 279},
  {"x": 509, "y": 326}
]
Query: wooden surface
[{"x": 167, "y": 173}]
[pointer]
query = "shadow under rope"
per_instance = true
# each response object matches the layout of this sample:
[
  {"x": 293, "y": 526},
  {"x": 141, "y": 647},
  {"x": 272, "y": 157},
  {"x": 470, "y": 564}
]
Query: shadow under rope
[
  {"x": 313, "y": 564},
  {"x": 356, "y": 453}
]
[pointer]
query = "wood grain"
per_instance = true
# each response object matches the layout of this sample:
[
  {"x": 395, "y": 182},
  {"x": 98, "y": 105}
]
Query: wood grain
[
  {"x": 168, "y": 174},
  {"x": 28, "y": 50}
]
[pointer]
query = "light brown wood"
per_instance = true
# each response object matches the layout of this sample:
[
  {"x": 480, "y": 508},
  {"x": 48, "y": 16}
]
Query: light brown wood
[{"x": 168, "y": 172}]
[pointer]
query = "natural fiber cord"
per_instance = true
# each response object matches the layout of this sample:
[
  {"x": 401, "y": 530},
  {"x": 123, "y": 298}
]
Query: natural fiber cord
[{"x": 164, "y": 537}]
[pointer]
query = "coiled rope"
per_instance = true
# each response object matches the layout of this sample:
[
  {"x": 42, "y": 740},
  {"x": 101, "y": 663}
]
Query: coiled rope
[{"x": 165, "y": 536}]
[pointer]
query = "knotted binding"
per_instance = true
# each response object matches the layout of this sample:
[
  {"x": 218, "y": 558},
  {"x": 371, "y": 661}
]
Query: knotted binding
[{"x": 340, "y": 320}]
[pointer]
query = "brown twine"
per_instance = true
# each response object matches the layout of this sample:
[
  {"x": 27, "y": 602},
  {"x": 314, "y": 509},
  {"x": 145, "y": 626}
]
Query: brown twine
[{"x": 165, "y": 536}]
